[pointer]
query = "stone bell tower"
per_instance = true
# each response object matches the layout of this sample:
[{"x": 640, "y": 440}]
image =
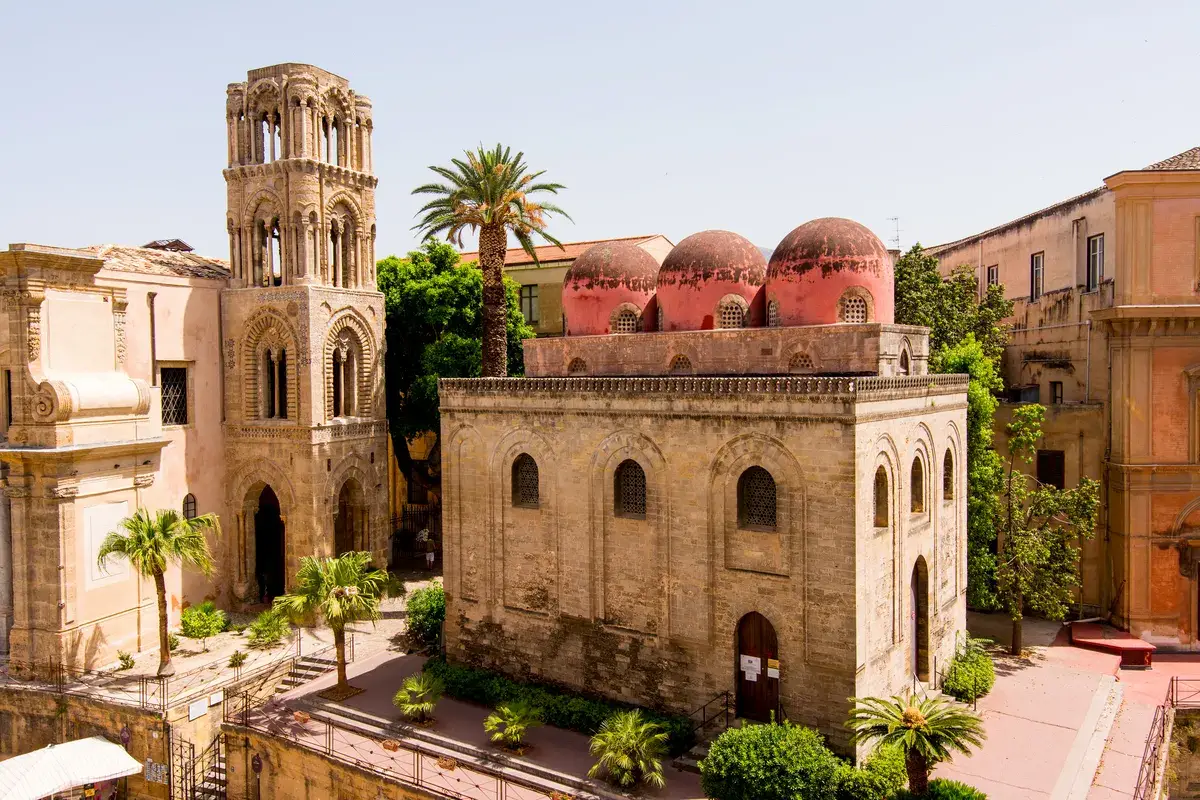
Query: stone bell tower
[{"x": 305, "y": 429}]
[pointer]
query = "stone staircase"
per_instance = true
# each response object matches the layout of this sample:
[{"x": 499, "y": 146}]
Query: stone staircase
[
  {"x": 304, "y": 670},
  {"x": 212, "y": 786},
  {"x": 690, "y": 761}
]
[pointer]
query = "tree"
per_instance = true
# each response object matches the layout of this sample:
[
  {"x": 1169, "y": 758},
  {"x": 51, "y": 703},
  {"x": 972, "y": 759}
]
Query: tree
[
  {"x": 150, "y": 545},
  {"x": 433, "y": 305},
  {"x": 985, "y": 469},
  {"x": 509, "y": 723},
  {"x": 629, "y": 749},
  {"x": 1041, "y": 528},
  {"x": 419, "y": 696},
  {"x": 342, "y": 591},
  {"x": 926, "y": 729}
]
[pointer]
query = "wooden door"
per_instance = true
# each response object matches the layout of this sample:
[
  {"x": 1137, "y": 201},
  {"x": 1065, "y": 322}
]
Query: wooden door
[{"x": 756, "y": 666}]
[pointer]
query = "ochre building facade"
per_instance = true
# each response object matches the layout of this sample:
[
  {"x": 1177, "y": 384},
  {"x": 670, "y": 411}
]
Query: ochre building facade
[
  {"x": 153, "y": 377},
  {"x": 773, "y": 509},
  {"x": 1105, "y": 334}
]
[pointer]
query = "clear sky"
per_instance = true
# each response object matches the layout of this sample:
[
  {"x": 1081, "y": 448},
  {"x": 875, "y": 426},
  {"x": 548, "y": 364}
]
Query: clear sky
[{"x": 660, "y": 117}]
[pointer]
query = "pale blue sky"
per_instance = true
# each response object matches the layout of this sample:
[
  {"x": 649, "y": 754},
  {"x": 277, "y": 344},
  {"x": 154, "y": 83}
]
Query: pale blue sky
[{"x": 660, "y": 117}]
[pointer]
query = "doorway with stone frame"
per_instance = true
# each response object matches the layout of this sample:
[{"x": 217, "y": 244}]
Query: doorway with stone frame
[
  {"x": 349, "y": 518},
  {"x": 269, "y": 554},
  {"x": 756, "y": 668}
]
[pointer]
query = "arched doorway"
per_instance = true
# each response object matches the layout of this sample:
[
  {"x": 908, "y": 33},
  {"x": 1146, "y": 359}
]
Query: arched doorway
[
  {"x": 349, "y": 520},
  {"x": 268, "y": 546},
  {"x": 757, "y": 668},
  {"x": 920, "y": 619}
]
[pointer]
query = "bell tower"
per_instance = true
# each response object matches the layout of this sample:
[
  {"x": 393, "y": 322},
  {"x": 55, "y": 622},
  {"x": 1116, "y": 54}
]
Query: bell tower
[{"x": 302, "y": 326}]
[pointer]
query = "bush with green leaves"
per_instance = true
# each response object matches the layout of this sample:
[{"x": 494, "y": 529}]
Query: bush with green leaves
[
  {"x": 629, "y": 749},
  {"x": 426, "y": 611},
  {"x": 202, "y": 621},
  {"x": 173, "y": 642},
  {"x": 509, "y": 723},
  {"x": 881, "y": 775},
  {"x": 770, "y": 762},
  {"x": 236, "y": 659},
  {"x": 559, "y": 708},
  {"x": 418, "y": 696},
  {"x": 268, "y": 629},
  {"x": 971, "y": 673},
  {"x": 126, "y": 660},
  {"x": 944, "y": 789}
]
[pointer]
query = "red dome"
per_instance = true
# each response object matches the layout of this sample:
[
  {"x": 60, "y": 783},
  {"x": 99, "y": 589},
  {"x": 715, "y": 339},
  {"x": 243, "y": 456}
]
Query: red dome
[
  {"x": 702, "y": 270},
  {"x": 830, "y": 270},
  {"x": 607, "y": 276}
]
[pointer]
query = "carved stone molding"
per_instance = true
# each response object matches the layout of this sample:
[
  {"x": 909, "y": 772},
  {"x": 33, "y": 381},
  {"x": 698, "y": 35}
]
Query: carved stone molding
[
  {"x": 142, "y": 481},
  {"x": 33, "y": 316},
  {"x": 52, "y": 403},
  {"x": 65, "y": 490},
  {"x": 119, "y": 307}
]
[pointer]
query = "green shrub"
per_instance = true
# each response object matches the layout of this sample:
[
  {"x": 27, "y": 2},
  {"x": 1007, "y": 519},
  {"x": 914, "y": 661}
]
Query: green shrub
[
  {"x": 770, "y": 762},
  {"x": 202, "y": 621},
  {"x": 419, "y": 695},
  {"x": 268, "y": 629},
  {"x": 173, "y": 642},
  {"x": 944, "y": 789},
  {"x": 880, "y": 776},
  {"x": 426, "y": 611},
  {"x": 971, "y": 673},
  {"x": 629, "y": 750},
  {"x": 126, "y": 659},
  {"x": 236, "y": 659},
  {"x": 558, "y": 708}
]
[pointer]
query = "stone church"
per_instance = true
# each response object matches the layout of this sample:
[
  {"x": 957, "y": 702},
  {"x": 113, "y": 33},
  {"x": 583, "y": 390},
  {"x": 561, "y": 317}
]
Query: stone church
[
  {"x": 153, "y": 377},
  {"x": 728, "y": 475}
]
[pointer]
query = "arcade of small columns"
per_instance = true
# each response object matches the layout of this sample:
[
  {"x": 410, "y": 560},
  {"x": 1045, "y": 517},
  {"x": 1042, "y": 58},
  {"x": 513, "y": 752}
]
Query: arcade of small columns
[
  {"x": 268, "y": 252},
  {"x": 312, "y": 129}
]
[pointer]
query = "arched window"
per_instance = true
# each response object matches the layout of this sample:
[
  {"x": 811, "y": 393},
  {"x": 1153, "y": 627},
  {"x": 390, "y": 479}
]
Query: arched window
[
  {"x": 271, "y": 376},
  {"x": 881, "y": 498},
  {"x": 276, "y": 276},
  {"x": 773, "y": 314},
  {"x": 854, "y": 308},
  {"x": 274, "y": 384},
  {"x": 626, "y": 321},
  {"x": 918, "y": 486},
  {"x": 338, "y": 389},
  {"x": 756, "y": 499},
  {"x": 577, "y": 367},
  {"x": 661, "y": 319},
  {"x": 904, "y": 364},
  {"x": 680, "y": 365},
  {"x": 731, "y": 314},
  {"x": 629, "y": 490},
  {"x": 189, "y": 506},
  {"x": 525, "y": 488},
  {"x": 948, "y": 476},
  {"x": 281, "y": 385},
  {"x": 801, "y": 364}
]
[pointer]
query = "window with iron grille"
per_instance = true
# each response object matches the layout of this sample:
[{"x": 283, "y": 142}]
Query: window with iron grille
[
  {"x": 801, "y": 362},
  {"x": 629, "y": 490},
  {"x": 854, "y": 309},
  {"x": 773, "y": 314},
  {"x": 1095, "y": 261},
  {"x": 881, "y": 498},
  {"x": 918, "y": 487},
  {"x": 626, "y": 321},
  {"x": 731, "y": 315},
  {"x": 529, "y": 303},
  {"x": 174, "y": 395},
  {"x": 756, "y": 499},
  {"x": 681, "y": 365},
  {"x": 525, "y": 482},
  {"x": 189, "y": 506}
]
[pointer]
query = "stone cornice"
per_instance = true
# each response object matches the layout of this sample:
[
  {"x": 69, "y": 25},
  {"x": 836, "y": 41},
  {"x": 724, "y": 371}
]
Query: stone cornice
[
  {"x": 845, "y": 388},
  {"x": 331, "y": 172}
]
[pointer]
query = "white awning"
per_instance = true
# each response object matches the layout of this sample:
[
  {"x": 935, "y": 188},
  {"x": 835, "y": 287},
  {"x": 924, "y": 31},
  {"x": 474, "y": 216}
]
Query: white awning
[{"x": 61, "y": 767}]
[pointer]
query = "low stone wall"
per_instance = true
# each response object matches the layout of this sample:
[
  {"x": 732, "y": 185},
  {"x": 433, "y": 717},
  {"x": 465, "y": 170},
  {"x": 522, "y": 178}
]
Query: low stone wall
[{"x": 290, "y": 772}]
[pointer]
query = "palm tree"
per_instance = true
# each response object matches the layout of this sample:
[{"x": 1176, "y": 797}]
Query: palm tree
[
  {"x": 489, "y": 192},
  {"x": 419, "y": 696},
  {"x": 630, "y": 749},
  {"x": 150, "y": 545},
  {"x": 926, "y": 729},
  {"x": 509, "y": 723},
  {"x": 342, "y": 591}
]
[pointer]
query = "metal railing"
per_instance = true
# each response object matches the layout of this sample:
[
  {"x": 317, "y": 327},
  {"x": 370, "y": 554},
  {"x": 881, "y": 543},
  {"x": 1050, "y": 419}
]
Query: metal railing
[
  {"x": 408, "y": 763},
  {"x": 717, "y": 709},
  {"x": 1181, "y": 693}
]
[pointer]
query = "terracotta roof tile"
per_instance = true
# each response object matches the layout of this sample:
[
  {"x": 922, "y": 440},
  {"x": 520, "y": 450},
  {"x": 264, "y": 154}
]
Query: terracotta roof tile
[
  {"x": 1188, "y": 159},
  {"x": 569, "y": 252},
  {"x": 159, "y": 262}
]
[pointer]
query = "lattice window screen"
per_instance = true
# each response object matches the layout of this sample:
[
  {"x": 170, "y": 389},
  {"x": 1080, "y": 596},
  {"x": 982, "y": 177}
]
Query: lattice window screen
[
  {"x": 525, "y": 482},
  {"x": 681, "y": 365},
  {"x": 773, "y": 314},
  {"x": 630, "y": 491},
  {"x": 756, "y": 498},
  {"x": 732, "y": 316},
  {"x": 801, "y": 362},
  {"x": 577, "y": 367},
  {"x": 174, "y": 395},
  {"x": 854, "y": 309},
  {"x": 626, "y": 322},
  {"x": 661, "y": 319}
]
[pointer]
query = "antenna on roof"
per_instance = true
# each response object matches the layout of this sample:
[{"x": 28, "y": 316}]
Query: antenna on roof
[{"x": 895, "y": 240}]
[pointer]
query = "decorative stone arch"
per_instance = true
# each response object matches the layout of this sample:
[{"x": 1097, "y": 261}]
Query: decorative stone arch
[
  {"x": 921, "y": 611},
  {"x": 887, "y": 456},
  {"x": 337, "y": 102},
  {"x": 849, "y": 307},
  {"x": 348, "y": 337},
  {"x": 263, "y": 197},
  {"x": 803, "y": 361},
  {"x": 577, "y": 367},
  {"x": 619, "y": 319},
  {"x": 264, "y": 90},
  {"x": 904, "y": 361},
  {"x": 773, "y": 318},
  {"x": 344, "y": 198},
  {"x": 681, "y": 362},
  {"x": 353, "y": 471},
  {"x": 618, "y": 447},
  {"x": 921, "y": 451},
  {"x": 266, "y": 334},
  {"x": 728, "y": 306},
  {"x": 243, "y": 493},
  {"x": 953, "y": 439},
  {"x": 544, "y": 522},
  {"x": 469, "y": 544}
]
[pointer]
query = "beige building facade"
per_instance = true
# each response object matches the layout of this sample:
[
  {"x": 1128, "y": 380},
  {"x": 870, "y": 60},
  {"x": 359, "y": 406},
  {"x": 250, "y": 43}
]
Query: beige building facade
[
  {"x": 153, "y": 377},
  {"x": 1106, "y": 285}
]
